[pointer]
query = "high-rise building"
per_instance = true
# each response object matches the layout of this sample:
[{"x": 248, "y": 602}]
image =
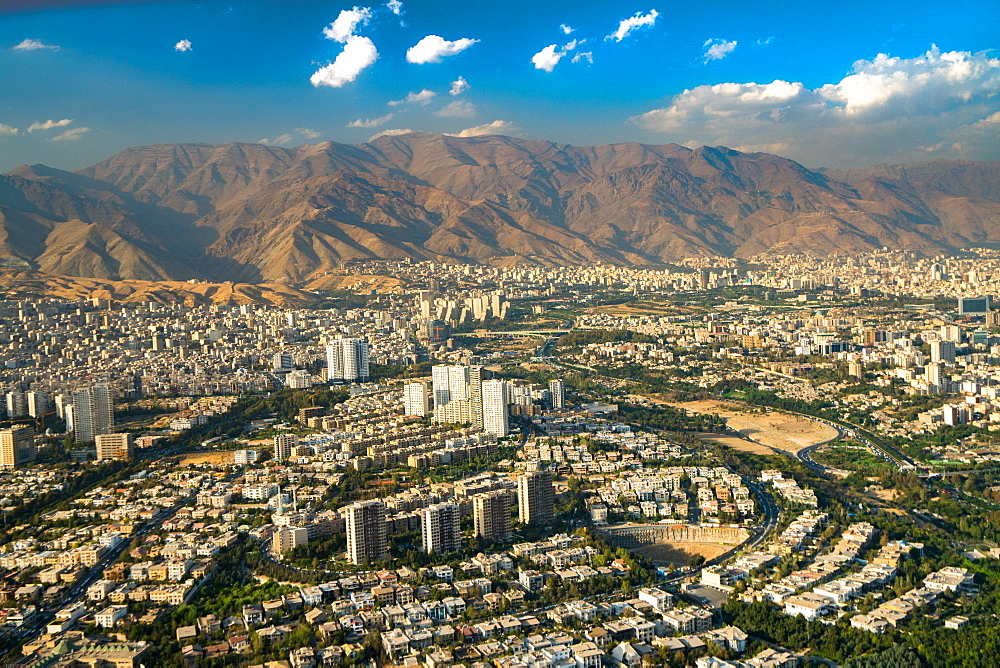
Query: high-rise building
[
  {"x": 416, "y": 399},
  {"x": 17, "y": 447},
  {"x": 38, "y": 404},
  {"x": 93, "y": 412},
  {"x": 113, "y": 446},
  {"x": 69, "y": 411},
  {"x": 950, "y": 333},
  {"x": 557, "y": 392},
  {"x": 282, "y": 361},
  {"x": 440, "y": 380},
  {"x": 535, "y": 497},
  {"x": 932, "y": 374},
  {"x": 347, "y": 361},
  {"x": 491, "y": 514},
  {"x": 943, "y": 351},
  {"x": 452, "y": 399},
  {"x": 367, "y": 534},
  {"x": 17, "y": 404},
  {"x": 476, "y": 395},
  {"x": 440, "y": 525},
  {"x": 955, "y": 414},
  {"x": 495, "y": 411},
  {"x": 283, "y": 444},
  {"x": 61, "y": 401}
]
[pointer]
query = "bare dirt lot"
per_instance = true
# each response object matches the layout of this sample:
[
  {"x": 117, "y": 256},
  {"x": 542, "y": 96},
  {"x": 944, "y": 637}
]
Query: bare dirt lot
[
  {"x": 680, "y": 553},
  {"x": 778, "y": 431},
  {"x": 737, "y": 443},
  {"x": 206, "y": 458}
]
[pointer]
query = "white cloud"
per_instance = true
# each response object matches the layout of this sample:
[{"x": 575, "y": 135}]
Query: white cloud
[
  {"x": 183, "y": 45},
  {"x": 992, "y": 119},
  {"x": 370, "y": 122},
  {"x": 935, "y": 79},
  {"x": 432, "y": 49},
  {"x": 717, "y": 49},
  {"x": 567, "y": 30},
  {"x": 632, "y": 23},
  {"x": 420, "y": 97},
  {"x": 457, "y": 109},
  {"x": 8, "y": 130},
  {"x": 33, "y": 45},
  {"x": 346, "y": 23},
  {"x": 391, "y": 133},
  {"x": 547, "y": 58},
  {"x": 71, "y": 135},
  {"x": 395, "y": 6},
  {"x": 458, "y": 86},
  {"x": 288, "y": 137},
  {"x": 48, "y": 125},
  {"x": 883, "y": 110},
  {"x": 359, "y": 52},
  {"x": 494, "y": 128},
  {"x": 764, "y": 41},
  {"x": 584, "y": 55}
]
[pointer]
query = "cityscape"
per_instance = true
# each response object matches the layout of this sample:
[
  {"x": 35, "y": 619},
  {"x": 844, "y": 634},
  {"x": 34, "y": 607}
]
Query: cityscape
[
  {"x": 723, "y": 463},
  {"x": 499, "y": 335}
]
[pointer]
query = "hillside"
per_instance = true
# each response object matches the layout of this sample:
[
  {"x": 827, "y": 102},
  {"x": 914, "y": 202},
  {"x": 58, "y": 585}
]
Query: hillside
[{"x": 253, "y": 213}]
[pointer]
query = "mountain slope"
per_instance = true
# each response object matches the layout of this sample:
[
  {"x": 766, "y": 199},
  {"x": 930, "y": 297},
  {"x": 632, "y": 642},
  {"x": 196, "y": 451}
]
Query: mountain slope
[{"x": 254, "y": 213}]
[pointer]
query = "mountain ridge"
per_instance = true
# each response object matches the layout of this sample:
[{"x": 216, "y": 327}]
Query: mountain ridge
[{"x": 256, "y": 213}]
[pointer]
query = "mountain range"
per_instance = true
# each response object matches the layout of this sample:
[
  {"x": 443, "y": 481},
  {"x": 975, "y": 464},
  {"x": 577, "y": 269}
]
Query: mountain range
[{"x": 255, "y": 213}]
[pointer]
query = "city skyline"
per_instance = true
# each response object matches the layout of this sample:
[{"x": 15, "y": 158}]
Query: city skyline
[{"x": 714, "y": 433}]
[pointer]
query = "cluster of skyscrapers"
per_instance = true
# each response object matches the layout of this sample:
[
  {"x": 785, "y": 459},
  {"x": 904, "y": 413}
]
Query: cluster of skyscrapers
[
  {"x": 347, "y": 361},
  {"x": 88, "y": 412},
  {"x": 440, "y": 524},
  {"x": 461, "y": 394}
]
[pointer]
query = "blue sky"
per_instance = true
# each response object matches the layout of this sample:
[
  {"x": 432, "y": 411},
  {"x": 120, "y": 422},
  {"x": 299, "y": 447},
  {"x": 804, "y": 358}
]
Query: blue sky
[{"x": 827, "y": 83}]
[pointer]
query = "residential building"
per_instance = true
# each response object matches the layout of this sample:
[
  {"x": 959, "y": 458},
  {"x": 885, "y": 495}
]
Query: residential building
[
  {"x": 17, "y": 447},
  {"x": 491, "y": 514},
  {"x": 416, "y": 400},
  {"x": 367, "y": 539},
  {"x": 288, "y": 538},
  {"x": 113, "y": 446},
  {"x": 943, "y": 351},
  {"x": 557, "y": 394},
  {"x": 347, "y": 361},
  {"x": 495, "y": 413},
  {"x": 440, "y": 525},
  {"x": 283, "y": 444},
  {"x": 535, "y": 497},
  {"x": 93, "y": 412}
]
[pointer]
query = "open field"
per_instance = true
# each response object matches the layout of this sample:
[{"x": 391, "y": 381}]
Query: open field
[
  {"x": 206, "y": 458},
  {"x": 777, "y": 431},
  {"x": 737, "y": 443},
  {"x": 680, "y": 553},
  {"x": 643, "y": 308}
]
